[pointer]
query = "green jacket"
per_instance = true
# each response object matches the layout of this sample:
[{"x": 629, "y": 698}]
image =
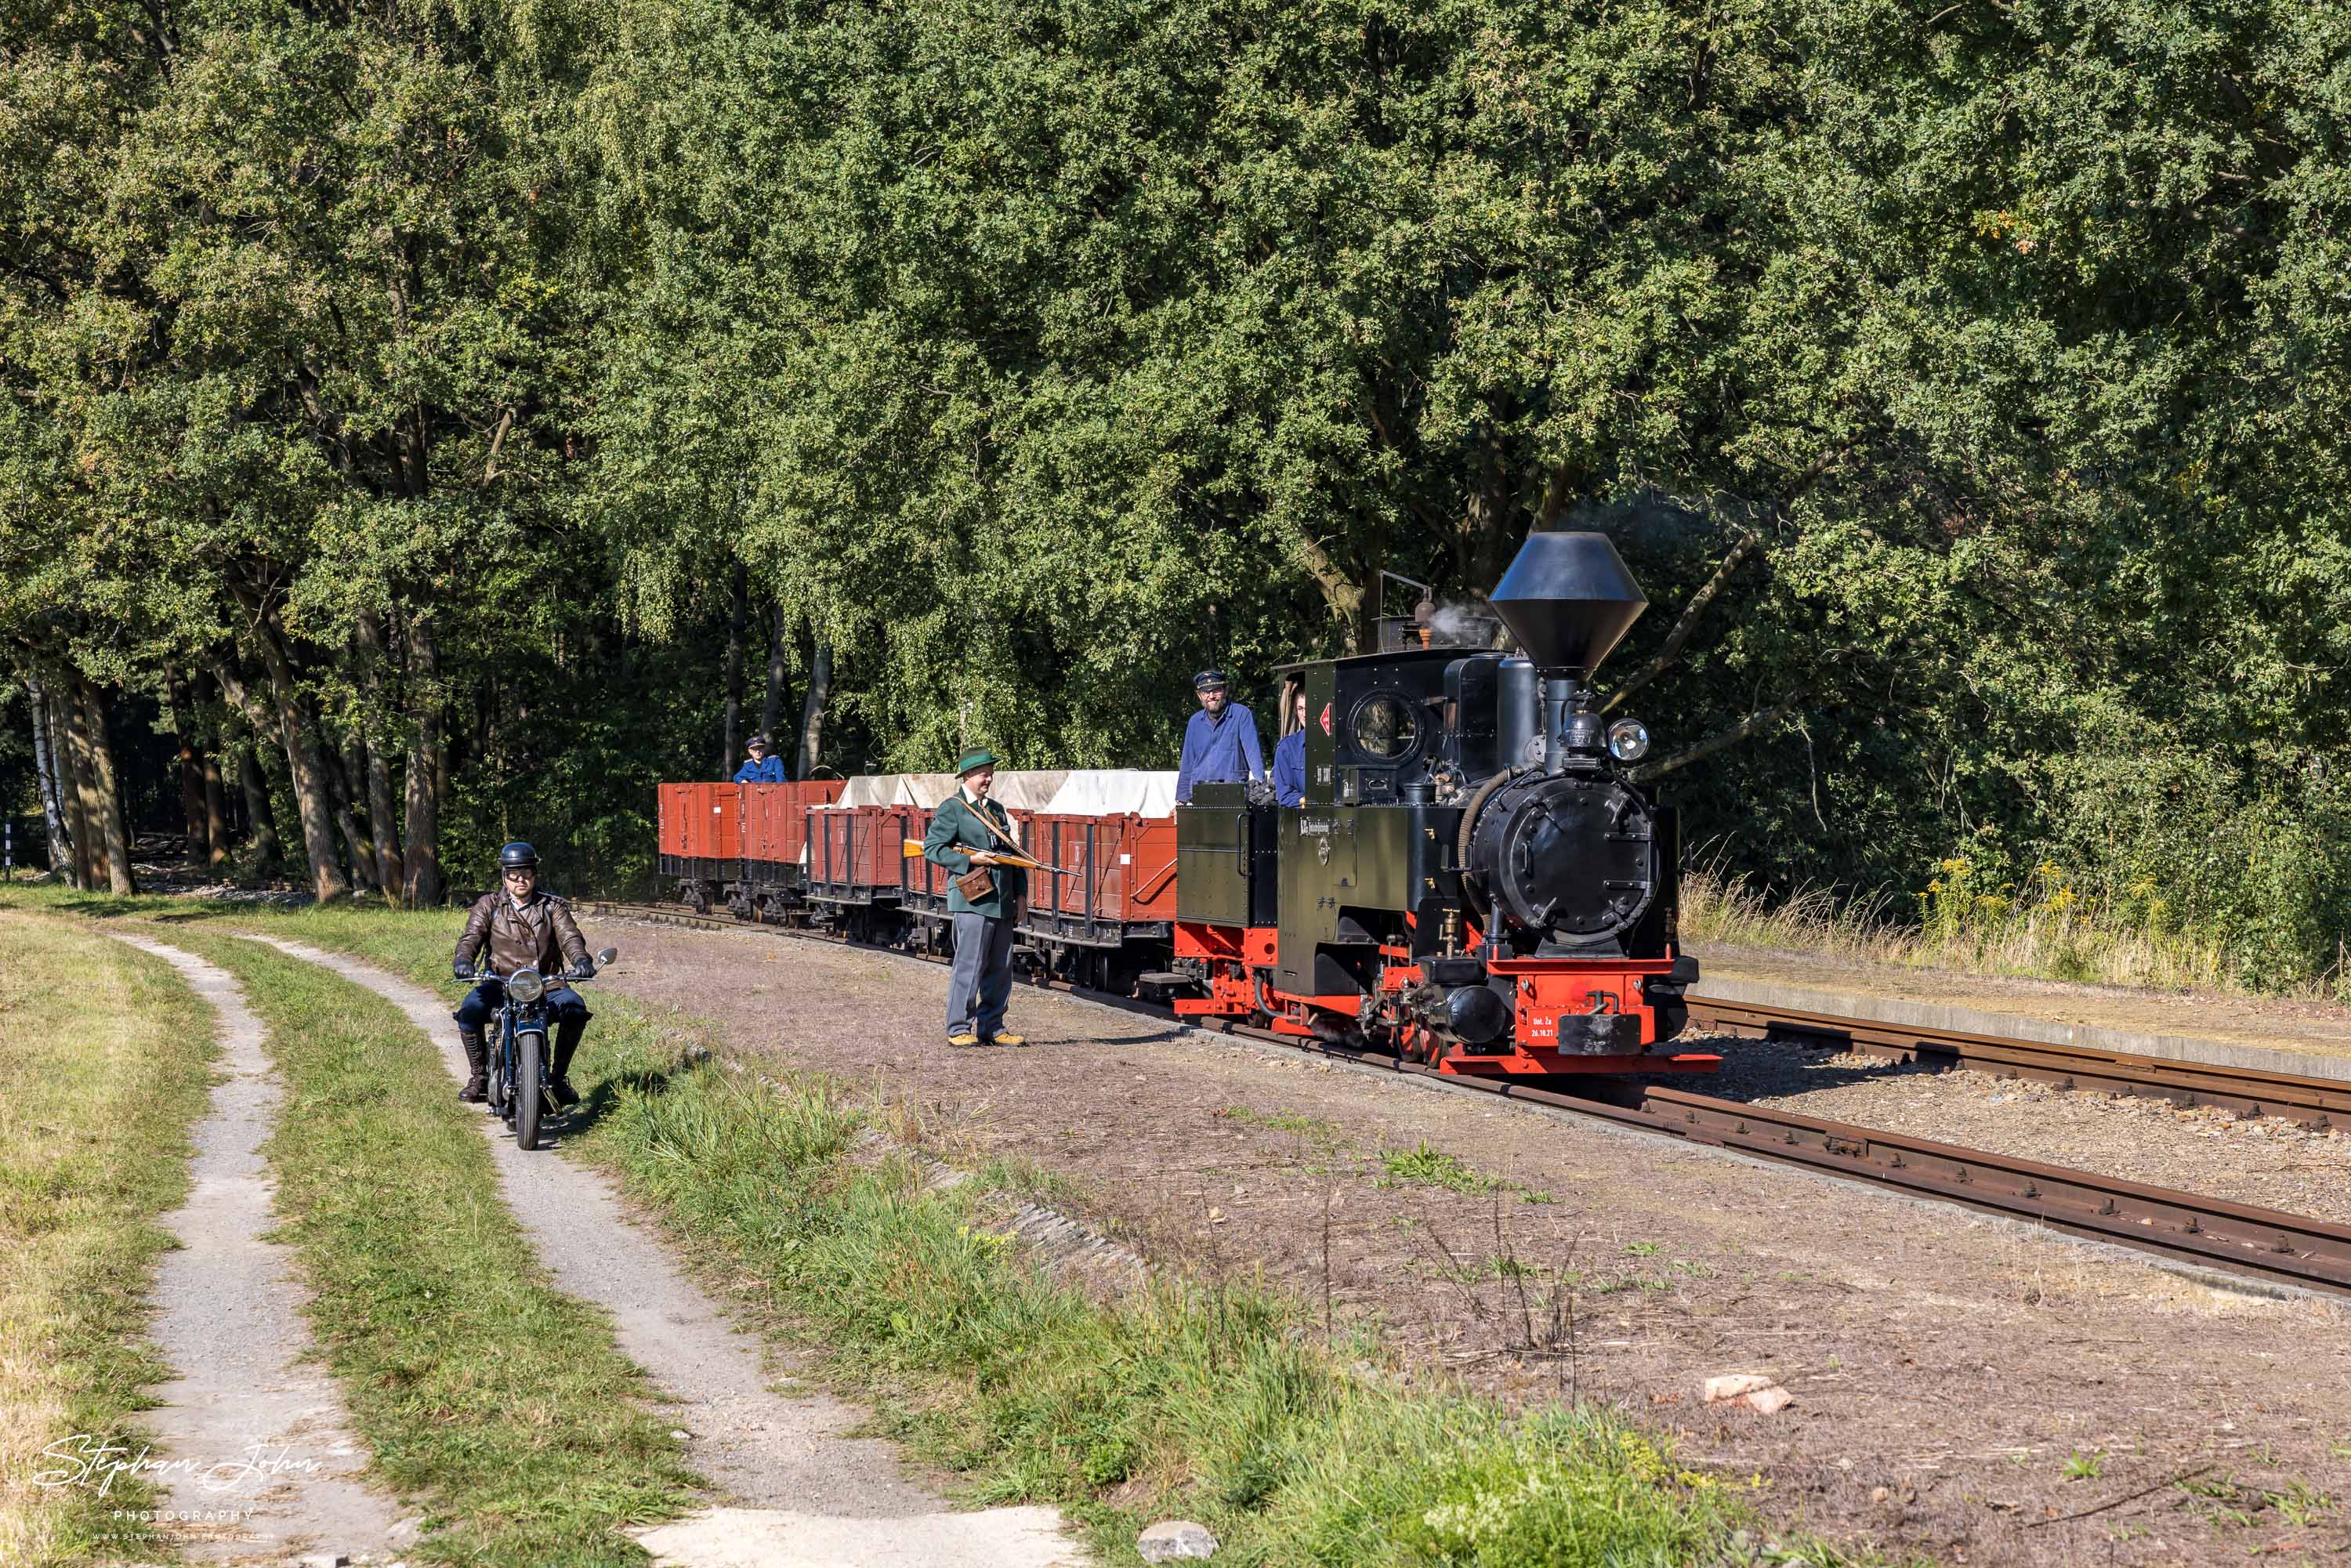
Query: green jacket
[{"x": 955, "y": 832}]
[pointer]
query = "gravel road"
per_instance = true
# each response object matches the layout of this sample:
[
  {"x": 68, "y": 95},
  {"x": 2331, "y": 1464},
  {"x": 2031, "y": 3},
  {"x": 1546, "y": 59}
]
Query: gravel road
[
  {"x": 1963, "y": 1386},
  {"x": 796, "y": 1491},
  {"x": 263, "y": 1463}
]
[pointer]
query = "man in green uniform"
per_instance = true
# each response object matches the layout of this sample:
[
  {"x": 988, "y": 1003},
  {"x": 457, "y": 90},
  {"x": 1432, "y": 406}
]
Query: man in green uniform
[{"x": 960, "y": 839}]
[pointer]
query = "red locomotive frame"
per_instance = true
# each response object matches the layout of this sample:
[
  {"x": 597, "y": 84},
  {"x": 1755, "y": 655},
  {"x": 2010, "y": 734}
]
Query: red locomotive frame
[{"x": 1239, "y": 962}]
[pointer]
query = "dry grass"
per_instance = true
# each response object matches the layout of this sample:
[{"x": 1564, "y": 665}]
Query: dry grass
[
  {"x": 2042, "y": 939},
  {"x": 102, "y": 1071}
]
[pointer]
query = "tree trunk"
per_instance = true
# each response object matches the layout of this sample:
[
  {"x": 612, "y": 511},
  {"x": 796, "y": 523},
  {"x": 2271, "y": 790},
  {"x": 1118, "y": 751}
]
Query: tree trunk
[
  {"x": 109, "y": 797},
  {"x": 192, "y": 771},
  {"x": 1748, "y": 544},
  {"x": 820, "y": 691},
  {"x": 53, "y": 801},
  {"x": 428, "y": 766},
  {"x": 735, "y": 630},
  {"x": 1342, "y": 592},
  {"x": 390, "y": 869},
  {"x": 1761, "y": 718},
  {"x": 255, "y": 785},
  {"x": 215, "y": 814},
  {"x": 73, "y": 724},
  {"x": 389, "y": 872},
  {"x": 310, "y": 803},
  {"x": 343, "y": 784},
  {"x": 779, "y": 673}
]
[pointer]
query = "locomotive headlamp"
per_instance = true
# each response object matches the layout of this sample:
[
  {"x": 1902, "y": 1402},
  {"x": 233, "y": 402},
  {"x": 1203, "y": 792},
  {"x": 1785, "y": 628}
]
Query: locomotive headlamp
[
  {"x": 524, "y": 986},
  {"x": 1628, "y": 740}
]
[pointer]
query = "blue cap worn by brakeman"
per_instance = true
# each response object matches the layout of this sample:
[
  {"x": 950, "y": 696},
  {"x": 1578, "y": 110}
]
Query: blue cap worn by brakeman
[
  {"x": 975, "y": 759},
  {"x": 1208, "y": 681}
]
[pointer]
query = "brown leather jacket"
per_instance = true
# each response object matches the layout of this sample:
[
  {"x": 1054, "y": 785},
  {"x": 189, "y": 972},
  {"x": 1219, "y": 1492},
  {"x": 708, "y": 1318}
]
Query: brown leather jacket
[{"x": 541, "y": 935}]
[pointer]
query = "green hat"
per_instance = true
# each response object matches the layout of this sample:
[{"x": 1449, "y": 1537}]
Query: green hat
[{"x": 975, "y": 759}]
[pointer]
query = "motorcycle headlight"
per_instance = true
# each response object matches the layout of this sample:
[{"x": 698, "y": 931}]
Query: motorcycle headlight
[
  {"x": 1628, "y": 740},
  {"x": 524, "y": 986}
]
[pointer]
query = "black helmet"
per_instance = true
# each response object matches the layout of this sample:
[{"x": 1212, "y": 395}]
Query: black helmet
[{"x": 517, "y": 854}]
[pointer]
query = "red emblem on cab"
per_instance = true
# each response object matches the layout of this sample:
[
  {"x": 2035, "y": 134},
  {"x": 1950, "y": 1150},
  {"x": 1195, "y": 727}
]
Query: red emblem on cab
[{"x": 1326, "y": 718}]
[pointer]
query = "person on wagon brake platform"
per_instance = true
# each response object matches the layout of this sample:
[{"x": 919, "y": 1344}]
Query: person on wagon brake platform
[
  {"x": 762, "y": 768},
  {"x": 1220, "y": 744},
  {"x": 968, "y": 832}
]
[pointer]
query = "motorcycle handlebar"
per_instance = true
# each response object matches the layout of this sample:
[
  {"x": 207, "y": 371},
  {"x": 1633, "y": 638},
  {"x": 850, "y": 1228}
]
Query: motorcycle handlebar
[
  {"x": 564, "y": 976},
  {"x": 603, "y": 961}
]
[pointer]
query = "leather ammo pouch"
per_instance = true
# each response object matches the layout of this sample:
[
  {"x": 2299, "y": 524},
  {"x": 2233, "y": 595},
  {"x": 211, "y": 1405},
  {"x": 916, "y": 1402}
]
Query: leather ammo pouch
[{"x": 978, "y": 885}]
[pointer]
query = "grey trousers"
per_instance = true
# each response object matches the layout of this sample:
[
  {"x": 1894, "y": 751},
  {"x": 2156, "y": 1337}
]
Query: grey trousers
[{"x": 981, "y": 982}]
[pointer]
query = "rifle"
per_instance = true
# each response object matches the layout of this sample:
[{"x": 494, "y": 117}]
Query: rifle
[{"x": 912, "y": 850}]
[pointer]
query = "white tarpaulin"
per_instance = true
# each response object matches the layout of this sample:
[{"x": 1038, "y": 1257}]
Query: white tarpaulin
[
  {"x": 1108, "y": 792},
  {"x": 1032, "y": 790},
  {"x": 868, "y": 790},
  {"x": 923, "y": 790}
]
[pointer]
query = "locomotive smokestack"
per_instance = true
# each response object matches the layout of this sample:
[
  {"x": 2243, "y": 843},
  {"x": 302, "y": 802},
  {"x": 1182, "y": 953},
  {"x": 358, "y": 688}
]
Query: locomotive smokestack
[{"x": 1569, "y": 599}]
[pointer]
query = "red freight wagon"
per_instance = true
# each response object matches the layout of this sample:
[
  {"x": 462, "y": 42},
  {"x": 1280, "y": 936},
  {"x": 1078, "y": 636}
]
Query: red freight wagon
[
  {"x": 882, "y": 860},
  {"x": 927, "y": 884},
  {"x": 1116, "y": 871},
  {"x": 702, "y": 825},
  {"x": 1106, "y": 915},
  {"x": 775, "y": 826},
  {"x": 837, "y": 842}
]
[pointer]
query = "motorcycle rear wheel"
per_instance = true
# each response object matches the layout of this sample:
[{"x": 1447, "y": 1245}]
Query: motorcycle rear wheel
[{"x": 530, "y": 1051}]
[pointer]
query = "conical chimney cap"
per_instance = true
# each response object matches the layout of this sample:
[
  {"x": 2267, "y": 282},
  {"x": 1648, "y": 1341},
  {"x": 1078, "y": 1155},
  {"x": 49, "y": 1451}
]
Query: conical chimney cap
[{"x": 1568, "y": 599}]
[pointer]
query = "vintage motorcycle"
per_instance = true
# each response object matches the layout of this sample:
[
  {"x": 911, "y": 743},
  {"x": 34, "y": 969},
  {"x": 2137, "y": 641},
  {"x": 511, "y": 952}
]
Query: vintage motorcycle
[{"x": 518, "y": 1058}]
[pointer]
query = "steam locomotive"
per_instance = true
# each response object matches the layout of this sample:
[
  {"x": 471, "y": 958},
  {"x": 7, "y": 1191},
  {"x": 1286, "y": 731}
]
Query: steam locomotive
[{"x": 1474, "y": 880}]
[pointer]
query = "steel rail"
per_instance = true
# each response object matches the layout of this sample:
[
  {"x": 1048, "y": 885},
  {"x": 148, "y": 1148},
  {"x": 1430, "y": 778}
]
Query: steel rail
[
  {"x": 2249, "y": 1092},
  {"x": 2262, "y": 1243}
]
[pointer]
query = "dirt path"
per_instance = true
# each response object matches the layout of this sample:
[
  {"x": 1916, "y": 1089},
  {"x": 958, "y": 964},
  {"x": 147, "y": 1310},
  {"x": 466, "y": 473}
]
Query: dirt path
[
  {"x": 1964, "y": 1385},
  {"x": 800, "y": 1489},
  {"x": 261, "y": 1463}
]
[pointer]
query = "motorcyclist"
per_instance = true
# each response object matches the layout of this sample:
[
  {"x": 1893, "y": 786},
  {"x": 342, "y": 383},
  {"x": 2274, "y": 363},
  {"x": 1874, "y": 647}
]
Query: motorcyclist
[{"x": 521, "y": 928}]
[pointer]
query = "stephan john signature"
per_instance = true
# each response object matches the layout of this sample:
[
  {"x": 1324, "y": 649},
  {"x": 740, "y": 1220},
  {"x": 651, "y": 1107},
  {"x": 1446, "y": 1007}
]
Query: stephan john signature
[{"x": 87, "y": 1460}]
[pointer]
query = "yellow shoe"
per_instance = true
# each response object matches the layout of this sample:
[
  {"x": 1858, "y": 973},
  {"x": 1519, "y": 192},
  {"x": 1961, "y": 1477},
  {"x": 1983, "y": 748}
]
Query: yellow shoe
[
  {"x": 963, "y": 1040},
  {"x": 1006, "y": 1037}
]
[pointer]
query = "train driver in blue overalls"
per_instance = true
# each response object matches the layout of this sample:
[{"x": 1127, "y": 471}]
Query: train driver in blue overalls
[{"x": 1220, "y": 744}]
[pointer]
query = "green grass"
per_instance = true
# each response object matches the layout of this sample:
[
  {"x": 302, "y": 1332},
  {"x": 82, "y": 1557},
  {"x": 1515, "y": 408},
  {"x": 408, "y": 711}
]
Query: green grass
[
  {"x": 103, "y": 1057},
  {"x": 493, "y": 1400},
  {"x": 1426, "y": 1166},
  {"x": 1221, "y": 1403}
]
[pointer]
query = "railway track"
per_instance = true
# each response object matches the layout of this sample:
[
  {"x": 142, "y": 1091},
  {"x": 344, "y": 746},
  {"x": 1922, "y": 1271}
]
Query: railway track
[
  {"x": 2240, "y": 1238},
  {"x": 2313, "y": 1102}
]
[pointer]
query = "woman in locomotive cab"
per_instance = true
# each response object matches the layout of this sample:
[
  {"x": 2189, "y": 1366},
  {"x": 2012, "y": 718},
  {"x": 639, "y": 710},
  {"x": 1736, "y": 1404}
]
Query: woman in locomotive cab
[{"x": 1290, "y": 753}]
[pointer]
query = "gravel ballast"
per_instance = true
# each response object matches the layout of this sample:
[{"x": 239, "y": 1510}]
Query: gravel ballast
[{"x": 1961, "y": 1385}]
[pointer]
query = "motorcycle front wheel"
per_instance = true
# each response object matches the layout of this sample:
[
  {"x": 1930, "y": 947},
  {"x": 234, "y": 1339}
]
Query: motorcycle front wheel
[{"x": 530, "y": 1051}]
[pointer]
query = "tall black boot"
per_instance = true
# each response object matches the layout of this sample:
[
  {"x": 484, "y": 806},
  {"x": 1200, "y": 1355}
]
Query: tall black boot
[
  {"x": 477, "y": 1087},
  {"x": 567, "y": 1040}
]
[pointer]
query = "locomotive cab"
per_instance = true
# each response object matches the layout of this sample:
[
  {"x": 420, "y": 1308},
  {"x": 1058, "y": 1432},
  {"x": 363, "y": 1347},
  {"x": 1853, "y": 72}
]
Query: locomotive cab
[{"x": 1474, "y": 878}]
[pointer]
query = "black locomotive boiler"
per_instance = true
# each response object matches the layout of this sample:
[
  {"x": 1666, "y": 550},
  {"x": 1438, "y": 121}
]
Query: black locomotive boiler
[{"x": 1474, "y": 879}]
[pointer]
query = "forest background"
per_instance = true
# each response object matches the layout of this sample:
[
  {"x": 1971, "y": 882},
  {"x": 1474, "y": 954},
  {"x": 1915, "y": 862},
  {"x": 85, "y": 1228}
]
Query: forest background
[{"x": 432, "y": 423}]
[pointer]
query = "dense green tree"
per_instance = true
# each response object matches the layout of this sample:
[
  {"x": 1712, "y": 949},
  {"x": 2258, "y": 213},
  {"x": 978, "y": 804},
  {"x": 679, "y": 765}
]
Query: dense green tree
[{"x": 1966, "y": 382}]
